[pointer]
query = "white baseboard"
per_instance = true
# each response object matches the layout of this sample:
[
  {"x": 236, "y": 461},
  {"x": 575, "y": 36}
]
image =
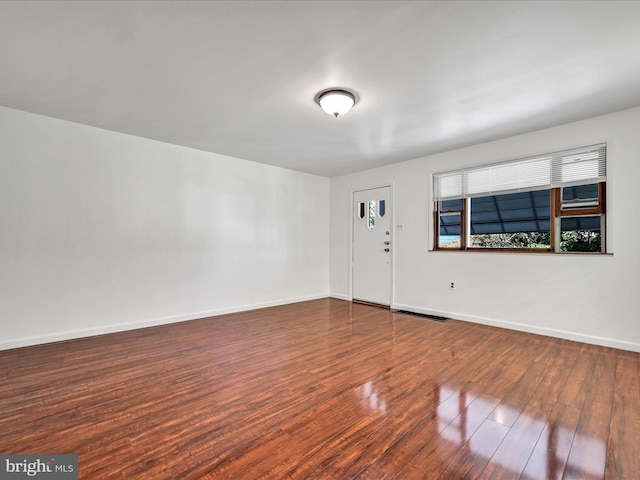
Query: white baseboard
[
  {"x": 121, "y": 327},
  {"x": 549, "y": 332}
]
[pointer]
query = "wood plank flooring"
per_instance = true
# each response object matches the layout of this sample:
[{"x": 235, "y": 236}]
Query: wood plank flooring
[{"x": 325, "y": 389}]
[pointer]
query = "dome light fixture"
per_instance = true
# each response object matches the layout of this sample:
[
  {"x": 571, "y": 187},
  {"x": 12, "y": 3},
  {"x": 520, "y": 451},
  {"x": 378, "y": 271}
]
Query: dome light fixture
[{"x": 336, "y": 101}]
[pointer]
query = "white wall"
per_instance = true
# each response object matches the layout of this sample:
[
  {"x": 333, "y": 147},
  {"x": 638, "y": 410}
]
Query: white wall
[
  {"x": 101, "y": 231},
  {"x": 594, "y": 299}
]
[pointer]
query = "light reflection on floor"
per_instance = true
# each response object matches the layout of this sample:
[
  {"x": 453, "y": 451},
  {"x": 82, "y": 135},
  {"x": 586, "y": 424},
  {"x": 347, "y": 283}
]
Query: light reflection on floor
[
  {"x": 370, "y": 397},
  {"x": 460, "y": 414}
]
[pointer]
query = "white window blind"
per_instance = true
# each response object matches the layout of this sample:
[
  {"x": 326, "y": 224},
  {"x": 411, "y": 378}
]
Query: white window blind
[{"x": 570, "y": 167}]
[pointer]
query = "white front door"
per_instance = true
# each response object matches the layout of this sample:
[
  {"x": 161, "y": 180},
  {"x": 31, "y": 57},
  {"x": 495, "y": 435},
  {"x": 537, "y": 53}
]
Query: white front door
[{"x": 372, "y": 246}]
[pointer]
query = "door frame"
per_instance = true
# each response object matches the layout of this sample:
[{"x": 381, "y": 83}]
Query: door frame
[{"x": 392, "y": 235}]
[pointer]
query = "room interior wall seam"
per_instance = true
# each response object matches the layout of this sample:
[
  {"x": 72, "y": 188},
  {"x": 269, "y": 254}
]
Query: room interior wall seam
[
  {"x": 340, "y": 296},
  {"x": 527, "y": 328},
  {"x": 154, "y": 322}
]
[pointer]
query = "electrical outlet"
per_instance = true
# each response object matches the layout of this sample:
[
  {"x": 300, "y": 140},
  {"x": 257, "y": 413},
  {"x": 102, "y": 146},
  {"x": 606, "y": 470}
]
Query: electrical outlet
[
  {"x": 452, "y": 285},
  {"x": 399, "y": 226}
]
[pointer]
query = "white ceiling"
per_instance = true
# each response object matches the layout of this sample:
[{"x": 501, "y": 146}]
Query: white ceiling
[{"x": 238, "y": 78}]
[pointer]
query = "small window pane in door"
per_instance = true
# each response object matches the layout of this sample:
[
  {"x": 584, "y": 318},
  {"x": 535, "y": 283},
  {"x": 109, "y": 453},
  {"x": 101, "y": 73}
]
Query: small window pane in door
[
  {"x": 372, "y": 214},
  {"x": 382, "y": 208}
]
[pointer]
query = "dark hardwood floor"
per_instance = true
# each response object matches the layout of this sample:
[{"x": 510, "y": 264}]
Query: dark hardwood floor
[{"x": 325, "y": 389}]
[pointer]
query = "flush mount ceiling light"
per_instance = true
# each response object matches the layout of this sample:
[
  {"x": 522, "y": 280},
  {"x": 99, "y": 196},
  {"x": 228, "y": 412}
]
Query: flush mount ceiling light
[{"x": 336, "y": 101}]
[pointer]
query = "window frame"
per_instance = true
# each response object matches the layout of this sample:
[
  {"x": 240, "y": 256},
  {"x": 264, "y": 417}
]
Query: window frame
[
  {"x": 463, "y": 225},
  {"x": 556, "y": 214},
  {"x": 559, "y": 214}
]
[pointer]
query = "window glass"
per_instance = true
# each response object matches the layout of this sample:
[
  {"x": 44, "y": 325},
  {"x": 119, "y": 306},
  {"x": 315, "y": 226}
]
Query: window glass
[
  {"x": 372, "y": 215},
  {"x": 450, "y": 228},
  {"x": 382, "y": 204},
  {"x": 580, "y": 196},
  {"x": 514, "y": 220},
  {"x": 581, "y": 234}
]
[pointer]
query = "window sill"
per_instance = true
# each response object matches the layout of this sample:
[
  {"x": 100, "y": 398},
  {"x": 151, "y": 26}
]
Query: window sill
[{"x": 518, "y": 252}]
